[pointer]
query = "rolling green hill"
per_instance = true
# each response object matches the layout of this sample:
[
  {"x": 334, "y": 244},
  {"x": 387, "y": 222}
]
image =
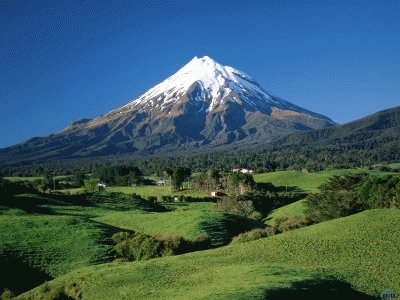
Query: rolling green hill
[
  {"x": 294, "y": 209},
  {"x": 339, "y": 259},
  {"x": 44, "y": 236}
]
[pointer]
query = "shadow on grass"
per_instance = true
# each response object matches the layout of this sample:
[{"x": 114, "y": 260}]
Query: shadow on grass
[
  {"x": 221, "y": 231},
  {"x": 327, "y": 289},
  {"x": 291, "y": 189},
  {"x": 33, "y": 204},
  {"x": 17, "y": 275}
]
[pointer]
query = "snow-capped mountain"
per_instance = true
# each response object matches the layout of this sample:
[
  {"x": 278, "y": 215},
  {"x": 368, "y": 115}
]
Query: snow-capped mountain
[{"x": 203, "y": 105}]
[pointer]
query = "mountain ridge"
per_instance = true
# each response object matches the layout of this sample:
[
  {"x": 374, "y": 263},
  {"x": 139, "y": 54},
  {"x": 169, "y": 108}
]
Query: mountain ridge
[{"x": 204, "y": 104}]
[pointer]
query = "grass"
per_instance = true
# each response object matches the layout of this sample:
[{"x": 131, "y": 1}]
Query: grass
[
  {"x": 153, "y": 190},
  {"x": 359, "y": 252},
  {"x": 394, "y": 165},
  {"x": 295, "y": 181},
  {"x": 31, "y": 179},
  {"x": 144, "y": 191},
  {"x": 44, "y": 236},
  {"x": 189, "y": 220},
  {"x": 295, "y": 209}
]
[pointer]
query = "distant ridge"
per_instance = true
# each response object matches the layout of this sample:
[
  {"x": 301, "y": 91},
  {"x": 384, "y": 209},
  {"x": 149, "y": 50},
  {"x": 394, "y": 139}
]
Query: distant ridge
[{"x": 372, "y": 139}]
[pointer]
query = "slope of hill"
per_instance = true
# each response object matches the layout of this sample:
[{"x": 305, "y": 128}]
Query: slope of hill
[
  {"x": 380, "y": 129},
  {"x": 347, "y": 258},
  {"x": 204, "y": 105},
  {"x": 44, "y": 236}
]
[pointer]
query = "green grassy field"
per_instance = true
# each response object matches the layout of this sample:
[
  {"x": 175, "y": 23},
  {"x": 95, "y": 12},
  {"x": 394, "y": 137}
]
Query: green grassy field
[
  {"x": 295, "y": 209},
  {"x": 360, "y": 252},
  {"x": 31, "y": 179},
  {"x": 69, "y": 237},
  {"x": 188, "y": 219},
  {"x": 308, "y": 182},
  {"x": 153, "y": 190},
  {"x": 394, "y": 166},
  {"x": 144, "y": 191},
  {"x": 294, "y": 180},
  {"x": 45, "y": 236}
]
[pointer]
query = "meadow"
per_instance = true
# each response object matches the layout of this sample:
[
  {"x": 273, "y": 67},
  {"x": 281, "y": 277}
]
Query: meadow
[
  {"x": 345, "y": 258},
  {"x": 65, "y": 240},
  {"x": 296, "y": 181},
  {"x": 44, "y": 236}
]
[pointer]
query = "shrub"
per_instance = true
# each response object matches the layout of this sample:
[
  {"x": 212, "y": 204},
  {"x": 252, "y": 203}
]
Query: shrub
[
  {"x": 166, "y": 198},
  {"x": 256, "y": 215},
  {"x": 254, "y": 234},
  {"x": 7, "y": 295},
  {"x": 337, "y": 198},
  {"x": 380, "y": 192},
  {"x": 236, "y": 205},
  {"x": 284, "y": 224},
  {"x": 139, "y": 246},
  {"x": 343, "y": 196},
  {"x": 152, "y": 199},
  {"x": 90, "y": 185}
]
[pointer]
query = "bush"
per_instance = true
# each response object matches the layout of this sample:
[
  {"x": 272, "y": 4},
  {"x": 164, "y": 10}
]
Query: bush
[
  {"x": 343, "y": 196},
  {"x": 284, "y": 224},
  {"x": 380, "y": 192},
  {"x": 7, "y": 295},
  {"x": 90, "y": 185},
  {"x": 236, "y": 205},
  {"x": 152, "y": 199},
  {"x": 166, "y": 198},
  {"x": 256, "y": 215},
  {"x": 139, "y": 246},
  {"x": 254, "y": 234},
  {"x": 337, "y": 198}
]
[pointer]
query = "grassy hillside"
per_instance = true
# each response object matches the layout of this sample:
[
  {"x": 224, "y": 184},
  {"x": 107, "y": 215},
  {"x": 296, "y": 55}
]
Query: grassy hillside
[
  {"x": 308, "y": 182},
  {"x": 360, "y": 250},
  {"x": 189, "y": 220},
  {"x": 295, "y": 209},
  {"x": 294, "y": 180},
  {"x": 44, "y": 236}
]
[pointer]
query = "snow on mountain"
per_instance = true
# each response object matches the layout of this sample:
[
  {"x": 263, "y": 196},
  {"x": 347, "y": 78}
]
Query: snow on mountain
[
  {"x": 215, "y": 80},
  {"x": 203, "y": 105}
]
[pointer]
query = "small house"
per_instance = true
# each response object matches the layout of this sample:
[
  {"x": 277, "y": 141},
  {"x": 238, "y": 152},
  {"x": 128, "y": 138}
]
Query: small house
[
  {"x": 101, "y": 186},
  {"x": 217, "y": 194},
  {"x": 246, "y": 171},
  {"x": 161, "y": 182}
]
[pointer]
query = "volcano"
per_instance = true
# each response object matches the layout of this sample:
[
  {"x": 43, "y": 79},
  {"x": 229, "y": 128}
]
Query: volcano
[{"x": 204, "y": 105}]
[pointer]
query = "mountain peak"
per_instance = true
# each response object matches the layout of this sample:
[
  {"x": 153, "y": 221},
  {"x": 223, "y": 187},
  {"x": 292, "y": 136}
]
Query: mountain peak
[
  {"x": 204, "y": 104},
  {"x": 213, "y": 78}
]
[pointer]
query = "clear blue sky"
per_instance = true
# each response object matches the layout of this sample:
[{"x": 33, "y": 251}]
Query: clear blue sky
[{"x": 65, "y": 60}]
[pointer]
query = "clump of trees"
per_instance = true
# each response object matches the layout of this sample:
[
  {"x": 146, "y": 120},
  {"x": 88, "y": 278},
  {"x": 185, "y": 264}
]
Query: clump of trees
[
  {"x": 347, "y": 195},
  {"x": 214, "y": 179},
  {"x": 131, "y": 246},
  {"x": 179, "y": 176},
  {"x": 256, "y": 204},
  {"x": 8, "y": 187},
  {"x": 124, "y": 175}
]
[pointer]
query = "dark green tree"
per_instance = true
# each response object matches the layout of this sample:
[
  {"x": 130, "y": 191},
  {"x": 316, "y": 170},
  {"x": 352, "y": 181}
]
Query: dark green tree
[
  {"x": 179, "y": 176},
  {"x": 78, "y": 178}
]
